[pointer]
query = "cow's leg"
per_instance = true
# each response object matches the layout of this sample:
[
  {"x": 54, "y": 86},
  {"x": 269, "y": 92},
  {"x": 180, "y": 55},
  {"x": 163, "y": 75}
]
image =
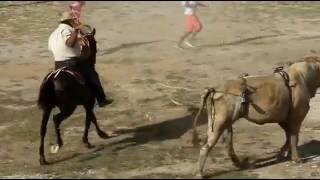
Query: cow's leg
[
  {"x": 215, "y": 129},
  {"x": 299, "y": 109},
  {"x": 294, "y": 139},
  {"x": 284, "y": 151},
  {"x": 297, "y": 117},
  {"x": 228, "y": 140}
]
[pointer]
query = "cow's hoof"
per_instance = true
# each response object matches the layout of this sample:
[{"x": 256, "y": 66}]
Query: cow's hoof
[
  {"x": 103, "y": 135},
  {"x": 89, "y": 146},
  {"x": 296, "y": 161},
  {"x": 199, "y": 176}
]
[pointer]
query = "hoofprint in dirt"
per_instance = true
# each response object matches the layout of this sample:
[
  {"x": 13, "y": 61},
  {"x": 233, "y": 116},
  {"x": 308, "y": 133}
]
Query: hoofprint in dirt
[{"x": 154, "y": 86}]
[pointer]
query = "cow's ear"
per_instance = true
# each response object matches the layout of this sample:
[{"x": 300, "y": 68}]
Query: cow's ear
[{"x": 94, "y": 31}]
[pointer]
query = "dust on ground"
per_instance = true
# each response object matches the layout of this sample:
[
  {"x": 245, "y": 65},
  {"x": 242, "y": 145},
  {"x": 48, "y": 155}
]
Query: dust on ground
[{"x": 155, "y": 87}]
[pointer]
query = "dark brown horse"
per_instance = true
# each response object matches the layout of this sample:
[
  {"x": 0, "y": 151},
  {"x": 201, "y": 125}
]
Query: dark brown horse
[{"x": 66, "y": 92}]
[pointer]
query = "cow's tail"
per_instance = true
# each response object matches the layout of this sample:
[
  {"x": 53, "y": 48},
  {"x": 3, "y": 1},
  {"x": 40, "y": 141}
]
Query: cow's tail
[{"x": 204, "y": 98}]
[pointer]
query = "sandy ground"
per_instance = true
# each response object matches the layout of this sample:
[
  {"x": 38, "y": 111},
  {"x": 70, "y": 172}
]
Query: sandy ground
[{"x": 143, "y": 72}]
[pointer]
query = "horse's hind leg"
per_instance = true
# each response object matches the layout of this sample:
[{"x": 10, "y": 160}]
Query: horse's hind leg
[
  {"x": 43, "y": 131},
  {"x": 57, "y": 119}
]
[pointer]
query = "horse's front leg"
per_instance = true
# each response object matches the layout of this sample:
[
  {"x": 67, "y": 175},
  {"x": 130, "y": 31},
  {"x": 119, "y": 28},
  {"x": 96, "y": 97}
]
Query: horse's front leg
[
  {"x": 86, "y": 131},
  {"x": 57, "y": 119},
  {"x": 101, "y": 133}
]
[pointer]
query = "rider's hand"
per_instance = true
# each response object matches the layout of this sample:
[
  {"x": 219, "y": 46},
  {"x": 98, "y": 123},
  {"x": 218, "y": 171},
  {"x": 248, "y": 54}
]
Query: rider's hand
[{"x": 77, "y": 28}]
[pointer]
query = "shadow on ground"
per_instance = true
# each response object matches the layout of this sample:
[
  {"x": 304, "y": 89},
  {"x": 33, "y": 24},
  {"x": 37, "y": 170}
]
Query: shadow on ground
[
  {"x": 124, "y": 46},
  {"x": 241, "y": 41},
  {"x": 307, "y": 152},
  {"x": 166, "y": 130}
]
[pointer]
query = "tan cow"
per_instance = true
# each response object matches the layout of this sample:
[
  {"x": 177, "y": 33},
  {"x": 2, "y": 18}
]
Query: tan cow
[{"x": 282, "y": 97}]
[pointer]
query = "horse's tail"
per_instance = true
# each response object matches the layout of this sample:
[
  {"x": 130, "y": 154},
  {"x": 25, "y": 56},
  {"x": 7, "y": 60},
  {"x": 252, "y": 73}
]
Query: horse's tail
[
  {"x": 204, "y": 97},
  {"x": 46, "y": 94}
]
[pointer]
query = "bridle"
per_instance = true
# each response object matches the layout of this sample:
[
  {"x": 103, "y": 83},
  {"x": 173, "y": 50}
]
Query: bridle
[{"x": 86, "y": 36}]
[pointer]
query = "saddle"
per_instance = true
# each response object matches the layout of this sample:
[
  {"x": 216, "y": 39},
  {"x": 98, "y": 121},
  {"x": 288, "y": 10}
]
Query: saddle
[
  {"x": 55, "y": 73},
  {"x": 237, "y": 87}
]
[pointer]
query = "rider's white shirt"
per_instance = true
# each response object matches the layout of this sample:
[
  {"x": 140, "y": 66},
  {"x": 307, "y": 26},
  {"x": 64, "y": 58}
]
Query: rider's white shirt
[{"x": 57, "y": 44}]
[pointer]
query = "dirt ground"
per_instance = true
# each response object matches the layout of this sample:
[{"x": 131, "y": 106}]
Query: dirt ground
[{"x": 155, "y": 87}]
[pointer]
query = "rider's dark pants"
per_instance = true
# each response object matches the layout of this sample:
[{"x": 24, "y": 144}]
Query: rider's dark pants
[
  {"x": 92, "y": 77},
  {"x": 89, "y": 73}
]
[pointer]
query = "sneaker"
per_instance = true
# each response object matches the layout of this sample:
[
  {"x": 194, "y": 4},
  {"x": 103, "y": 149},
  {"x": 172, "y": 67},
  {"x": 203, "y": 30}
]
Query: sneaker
[
  {"x": 178, "y": 46},
  {"x": 189, "y": 44}
]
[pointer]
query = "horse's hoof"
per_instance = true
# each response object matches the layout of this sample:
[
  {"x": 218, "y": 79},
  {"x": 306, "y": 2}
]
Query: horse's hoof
[
  {"x": 297, "y": 161},
  {"x": 104, "y": 135},
  {"x": 242, "y": 164},
  {"x": 199, "y": 176},
  {"x": 196, "y": 143},
  {"x": 43, "y": 162},
  {"x": 239, "y": 165},
  {"x": 89, "y": 146},
  {"x": 245, "y": 163},
  {"x": 54, "y": 149}
]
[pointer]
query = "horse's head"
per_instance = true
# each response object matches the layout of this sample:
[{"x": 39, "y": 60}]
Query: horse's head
[{"x": 88, "y": 43}]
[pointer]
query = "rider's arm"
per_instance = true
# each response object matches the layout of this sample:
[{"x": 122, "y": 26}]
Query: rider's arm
[{"x": 71, "y": 41}]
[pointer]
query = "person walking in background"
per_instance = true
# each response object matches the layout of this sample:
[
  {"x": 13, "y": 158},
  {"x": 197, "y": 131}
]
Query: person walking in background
[{"x": 194, "y": 25}]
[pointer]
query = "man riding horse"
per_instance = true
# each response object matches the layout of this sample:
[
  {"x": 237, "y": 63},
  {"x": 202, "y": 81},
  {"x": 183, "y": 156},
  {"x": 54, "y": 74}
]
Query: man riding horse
[{"x": 65, "y": 44}]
